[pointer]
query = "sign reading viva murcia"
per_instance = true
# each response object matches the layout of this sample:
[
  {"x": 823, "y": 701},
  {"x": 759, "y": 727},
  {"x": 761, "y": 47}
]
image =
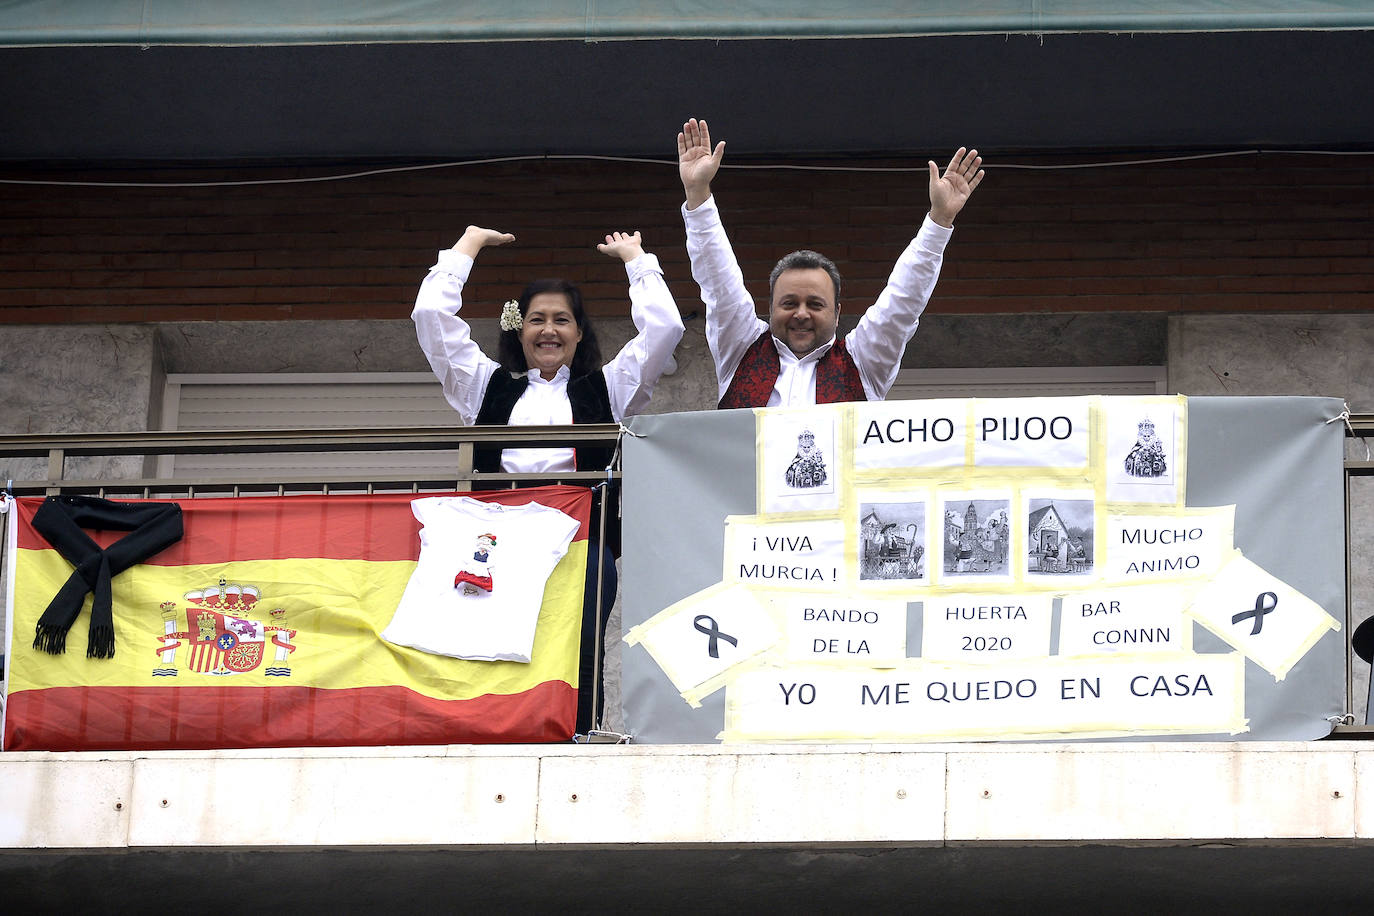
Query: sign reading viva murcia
[{"x": 973, "y": 569}]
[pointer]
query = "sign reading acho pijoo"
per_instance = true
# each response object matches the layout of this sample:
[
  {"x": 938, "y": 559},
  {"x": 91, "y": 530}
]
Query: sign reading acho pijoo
[
  {"x": 294, "y": 620},
  {"x": 1085, "y": 567}
]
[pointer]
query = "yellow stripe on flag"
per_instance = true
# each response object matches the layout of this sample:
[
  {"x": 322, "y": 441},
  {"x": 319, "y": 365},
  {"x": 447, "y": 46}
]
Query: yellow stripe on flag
[{"x": 337, "y": 609}]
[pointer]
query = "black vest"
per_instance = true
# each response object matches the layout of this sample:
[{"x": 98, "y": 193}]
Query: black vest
[{"x": 591, "y": 403}]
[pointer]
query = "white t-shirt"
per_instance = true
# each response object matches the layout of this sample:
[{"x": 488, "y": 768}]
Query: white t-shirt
[{"x": 456, "y": 534}]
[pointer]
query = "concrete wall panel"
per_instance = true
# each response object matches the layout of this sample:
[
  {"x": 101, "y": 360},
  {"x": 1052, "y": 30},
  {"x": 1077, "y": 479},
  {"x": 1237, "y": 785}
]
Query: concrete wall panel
[
  {"x": 781, "y": 796},
  {"x": 48, "y": 802},
  {"x": 1148, "y": 792},
  {"x": 341, "y": 800}
]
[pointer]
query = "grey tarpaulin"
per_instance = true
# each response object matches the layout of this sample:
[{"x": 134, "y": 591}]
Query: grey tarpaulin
[{"x": 1276, "y": 459}]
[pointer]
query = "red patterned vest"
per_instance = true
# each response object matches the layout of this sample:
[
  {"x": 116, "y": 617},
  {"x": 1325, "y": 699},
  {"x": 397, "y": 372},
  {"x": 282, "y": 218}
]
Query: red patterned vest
[{"x": 837, "y": 378}]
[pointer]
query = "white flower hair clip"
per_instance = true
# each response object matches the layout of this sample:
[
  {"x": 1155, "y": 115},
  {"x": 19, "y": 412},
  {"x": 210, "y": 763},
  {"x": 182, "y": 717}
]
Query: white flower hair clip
[{"x": 510, "y": 316}]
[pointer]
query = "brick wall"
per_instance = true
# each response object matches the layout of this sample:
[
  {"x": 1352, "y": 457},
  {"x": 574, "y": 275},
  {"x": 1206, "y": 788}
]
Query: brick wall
[{"x": 1237, "y": 234}]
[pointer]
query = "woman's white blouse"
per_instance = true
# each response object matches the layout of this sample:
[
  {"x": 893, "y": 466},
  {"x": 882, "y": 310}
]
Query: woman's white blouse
[{"x": 464, "y": 370}]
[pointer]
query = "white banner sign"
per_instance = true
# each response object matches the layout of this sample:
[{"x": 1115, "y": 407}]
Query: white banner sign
[
  {"x": 1196, "y": 694},
  {"x": 801, "y": 555},
  {"x": 1116, "y": 621},
  {"x": 986, "y": 629},
  {"x": 907, "y": 434},
  {"x": 1034, "y": 432},
  {"x": 856, "y": 629},
  {"x": 1191, "y": 545}
]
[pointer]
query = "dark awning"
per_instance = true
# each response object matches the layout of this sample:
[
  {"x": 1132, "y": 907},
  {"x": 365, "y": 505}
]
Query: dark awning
[{"x": 145, "y": 80}]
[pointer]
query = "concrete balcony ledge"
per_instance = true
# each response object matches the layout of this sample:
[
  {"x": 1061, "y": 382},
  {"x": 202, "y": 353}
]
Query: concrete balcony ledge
[
  {"x": 1062, "y": 828},
  {"x": 571, "y": 796}
]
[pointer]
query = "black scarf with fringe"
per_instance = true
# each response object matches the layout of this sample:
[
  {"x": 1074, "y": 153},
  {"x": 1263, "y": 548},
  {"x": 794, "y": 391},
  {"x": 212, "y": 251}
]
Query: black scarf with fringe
[{"x": 151, "y": 526}]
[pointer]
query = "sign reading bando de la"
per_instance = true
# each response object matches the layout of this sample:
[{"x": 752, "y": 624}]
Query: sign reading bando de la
[{"x": 1027, "y": 568}]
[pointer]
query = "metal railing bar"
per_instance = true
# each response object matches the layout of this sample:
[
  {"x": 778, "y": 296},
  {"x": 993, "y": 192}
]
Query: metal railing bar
[
  {"x": 1353, "y": 732},
  {"x": 1360, "y": 426},
  {"x": 195, "y": 442},
  {"x": 1349, "y": 604},
  {"x": 148, "y": 485}
]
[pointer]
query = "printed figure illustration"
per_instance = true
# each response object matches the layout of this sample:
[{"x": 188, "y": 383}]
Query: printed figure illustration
[
  {"x": 808, "y": 468},
  {"x": 892, "y": 540},
  {"x": 1059, "y": 536},
  {"x": 1146, "y": 458},
  {"x": 978, "y": 541},
  {"x": 475, "y": 575}
]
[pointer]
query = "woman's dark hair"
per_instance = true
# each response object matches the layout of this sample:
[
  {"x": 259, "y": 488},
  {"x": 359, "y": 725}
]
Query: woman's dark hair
[{"x": 587, "y": 356}]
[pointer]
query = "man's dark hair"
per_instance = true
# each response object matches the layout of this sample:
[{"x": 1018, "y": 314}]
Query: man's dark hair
[
  {"x": 587, "y": 356},
  {"x": 805, "y": 260}
]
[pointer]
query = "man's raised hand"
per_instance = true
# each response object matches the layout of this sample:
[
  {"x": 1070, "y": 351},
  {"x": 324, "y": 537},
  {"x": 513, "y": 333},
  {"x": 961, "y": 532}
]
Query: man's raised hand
[
  {"x": 949, "y": 192},
  {"x": 697, "y": 162}
]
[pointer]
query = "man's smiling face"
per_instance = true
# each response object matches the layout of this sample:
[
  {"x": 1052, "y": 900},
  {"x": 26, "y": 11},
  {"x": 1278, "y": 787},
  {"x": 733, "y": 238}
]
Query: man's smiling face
[{"x": 804, "y": 314}]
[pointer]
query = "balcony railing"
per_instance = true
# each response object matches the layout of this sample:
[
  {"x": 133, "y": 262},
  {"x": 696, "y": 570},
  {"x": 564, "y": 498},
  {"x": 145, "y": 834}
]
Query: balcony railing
[
  {"x": 56, "y": 449},
  {"x": 459, "y": 442}
]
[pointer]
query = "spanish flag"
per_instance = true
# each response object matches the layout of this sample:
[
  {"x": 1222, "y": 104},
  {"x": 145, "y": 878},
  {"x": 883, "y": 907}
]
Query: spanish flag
[{"x": 260, "y": 628}]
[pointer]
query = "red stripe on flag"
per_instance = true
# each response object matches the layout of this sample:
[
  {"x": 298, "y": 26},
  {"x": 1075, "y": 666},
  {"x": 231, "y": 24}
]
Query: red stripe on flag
[
  {"x": 204, "y": 656},
  {"x": 380, "y": 527},
  {"x": 167, "y": 718}
]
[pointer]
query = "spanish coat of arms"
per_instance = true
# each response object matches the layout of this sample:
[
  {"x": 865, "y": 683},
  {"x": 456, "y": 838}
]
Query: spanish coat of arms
[{"x": 220, "y": 635}]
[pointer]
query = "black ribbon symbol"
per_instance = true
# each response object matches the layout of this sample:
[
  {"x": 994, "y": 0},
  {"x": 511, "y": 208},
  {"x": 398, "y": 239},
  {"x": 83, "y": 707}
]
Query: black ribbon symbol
[
  {"x": 1262, "y": 607},
  {"x": 713, "y": 631}
]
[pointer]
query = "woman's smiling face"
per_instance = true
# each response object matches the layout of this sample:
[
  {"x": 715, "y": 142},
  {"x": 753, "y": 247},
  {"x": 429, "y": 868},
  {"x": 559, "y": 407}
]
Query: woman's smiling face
[{"x": 549, "y": 334}]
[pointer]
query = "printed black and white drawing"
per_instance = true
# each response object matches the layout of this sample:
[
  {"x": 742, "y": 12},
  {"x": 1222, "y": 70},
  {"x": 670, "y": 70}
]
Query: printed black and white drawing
[
  {"x": 807, "y": 469},
  {"x": 892, "y": 540},
  {"x": 1147, "y": 457},
  {"x": 1059, "y": 536},
  {"x": 977, "y": 537},
  {"x": 1144, "y": 453},
  {"x": 800, "y": 469}
]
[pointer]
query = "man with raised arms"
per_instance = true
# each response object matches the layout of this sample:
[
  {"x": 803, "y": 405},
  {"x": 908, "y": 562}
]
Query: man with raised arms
[{"x": 794, "y": 359}]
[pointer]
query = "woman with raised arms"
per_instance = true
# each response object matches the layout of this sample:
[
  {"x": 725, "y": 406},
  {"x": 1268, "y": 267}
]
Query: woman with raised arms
[{"x": 550, "y": 372}]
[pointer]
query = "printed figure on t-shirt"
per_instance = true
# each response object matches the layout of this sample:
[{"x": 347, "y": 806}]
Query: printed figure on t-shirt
[{"x": 475, "y": 575}]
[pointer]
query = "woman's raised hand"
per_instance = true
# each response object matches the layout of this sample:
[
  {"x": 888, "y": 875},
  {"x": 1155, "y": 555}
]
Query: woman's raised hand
[
  {"x": 475, "y": 238},
  {"x": 624, "y": 245}
]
